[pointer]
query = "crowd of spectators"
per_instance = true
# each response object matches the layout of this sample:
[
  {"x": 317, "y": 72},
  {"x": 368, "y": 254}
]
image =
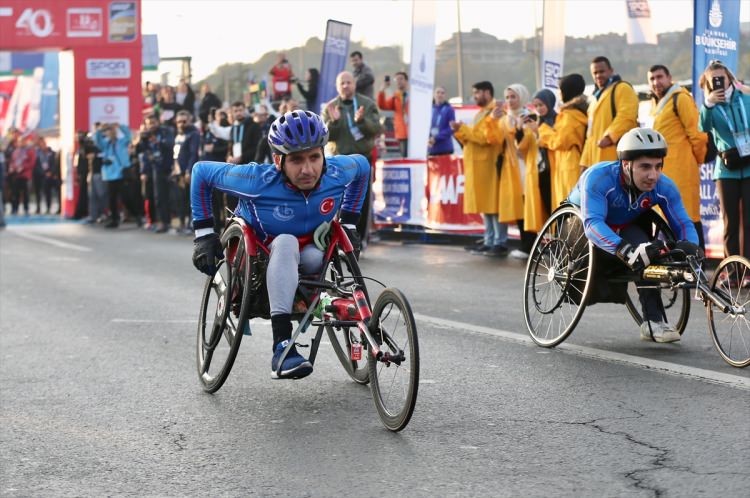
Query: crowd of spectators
[{"x": 523, "y": 152}]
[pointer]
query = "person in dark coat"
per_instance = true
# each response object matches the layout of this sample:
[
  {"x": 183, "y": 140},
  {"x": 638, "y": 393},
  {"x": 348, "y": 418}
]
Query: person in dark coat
[{"x": 311, "y": 78}]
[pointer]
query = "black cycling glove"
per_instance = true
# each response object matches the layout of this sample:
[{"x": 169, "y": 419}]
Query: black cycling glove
[
  {"x": 206, "y": 251},
  {"x": 689, "y": 248},
  {"x": 351, "y": 232},
  {"x": 639, "y": 257}
]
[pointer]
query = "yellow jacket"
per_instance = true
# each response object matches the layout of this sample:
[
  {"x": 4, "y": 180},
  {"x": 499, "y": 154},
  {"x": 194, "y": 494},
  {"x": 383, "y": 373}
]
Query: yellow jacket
[
  {"x": 686, "y": 146},
  {"x": 480, "y": 173},
  {"x": 565, "y": 143},
  {"x": 510, "y": 207},
  {"x": 602, "y": 123}
]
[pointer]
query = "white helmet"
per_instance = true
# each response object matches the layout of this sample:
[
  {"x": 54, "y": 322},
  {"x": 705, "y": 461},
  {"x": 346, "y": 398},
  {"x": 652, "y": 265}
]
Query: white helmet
[{"x": 641, "y": 142}]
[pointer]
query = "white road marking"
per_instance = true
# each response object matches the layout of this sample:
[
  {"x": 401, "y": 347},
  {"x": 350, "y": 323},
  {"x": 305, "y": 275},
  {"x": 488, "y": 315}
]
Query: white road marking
[
  {"x": 139, "y": 320},
  {"x": 51, "y": 241},
  {"x": 600, "y": 354}
]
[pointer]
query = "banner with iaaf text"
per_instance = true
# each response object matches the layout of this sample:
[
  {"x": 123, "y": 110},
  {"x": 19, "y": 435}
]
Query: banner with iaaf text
[
  {"x": 553, "y": 43},
  {"x": 421, "y": 77},
  {"x": 716, "y": 35},
  {"x": 335, "y": 55}
]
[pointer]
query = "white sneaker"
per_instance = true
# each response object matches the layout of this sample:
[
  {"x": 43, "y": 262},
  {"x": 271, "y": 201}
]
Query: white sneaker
[
  {"x": 518, "y": 254},
  {"x": 662, "y": 332}
]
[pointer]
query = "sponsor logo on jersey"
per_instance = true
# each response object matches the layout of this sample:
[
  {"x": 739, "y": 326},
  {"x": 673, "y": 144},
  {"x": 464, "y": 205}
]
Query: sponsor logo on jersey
[
  {"x": 269, "y": 175},
  {"x": 327, "y": 205},
  {"x": 283, "y": 213},
  {"x": 332, "y": 170}
]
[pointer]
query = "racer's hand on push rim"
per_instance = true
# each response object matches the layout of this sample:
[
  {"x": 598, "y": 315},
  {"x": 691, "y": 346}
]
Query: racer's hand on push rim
[
  {"x": 351, "y": 232},
  {"x": 206, "y": 251},
  {"x": 639, "y": 257},
  {"x": 689, "y": 248}
]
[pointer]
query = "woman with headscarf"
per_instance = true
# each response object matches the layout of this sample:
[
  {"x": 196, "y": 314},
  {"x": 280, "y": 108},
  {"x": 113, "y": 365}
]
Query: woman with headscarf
[
  {"x": 564, "y": 138},
  {"x": 518, "y": 150},
  {"x": 544, "y": 103}
]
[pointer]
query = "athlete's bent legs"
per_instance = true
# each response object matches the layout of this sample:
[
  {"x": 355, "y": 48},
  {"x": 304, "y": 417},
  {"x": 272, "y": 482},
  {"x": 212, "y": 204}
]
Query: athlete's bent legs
[{"x": 282, "y": 277}]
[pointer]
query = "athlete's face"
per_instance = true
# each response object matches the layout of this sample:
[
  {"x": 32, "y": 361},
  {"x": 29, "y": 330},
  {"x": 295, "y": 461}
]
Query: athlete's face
[
  {"x": 646, "y": 172},
  {"x": 303, "y": 169}
]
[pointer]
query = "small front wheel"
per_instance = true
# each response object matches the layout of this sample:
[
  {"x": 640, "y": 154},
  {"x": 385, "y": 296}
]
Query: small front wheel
[
  {"x": 731, "y": 331},
  {"x": 394, "y": 374}
]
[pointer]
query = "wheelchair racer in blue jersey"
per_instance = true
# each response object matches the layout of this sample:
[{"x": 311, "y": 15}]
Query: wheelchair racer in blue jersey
[
  {"x": 615, "y": 197},
  {"x": 284, "y": 203}
]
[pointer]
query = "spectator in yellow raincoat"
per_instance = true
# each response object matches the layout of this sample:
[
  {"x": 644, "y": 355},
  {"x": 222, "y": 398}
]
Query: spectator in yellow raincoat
[
  {"x": 613, "y": 112},
  {"x": 480, "y": 173},
  {"x": 519, "y": 152},
  {"x": 565, "y": 139},
  {"x": 675, "y": 115}
]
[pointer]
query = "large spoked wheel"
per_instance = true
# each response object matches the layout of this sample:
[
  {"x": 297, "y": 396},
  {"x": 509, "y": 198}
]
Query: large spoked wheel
[
  {"x": 676, "y": 301},
  {"x": 558, "y": 277},
  {"x": 731, "y": 331},
  {"x": 344, "y": 267},
  {"x": 223, "y": 312},
  {"x": 394, "y": 376}
]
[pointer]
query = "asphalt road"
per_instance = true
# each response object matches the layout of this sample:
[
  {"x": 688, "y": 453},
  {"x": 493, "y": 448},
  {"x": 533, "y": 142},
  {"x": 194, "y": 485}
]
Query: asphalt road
[{"x": 99, "y": 393}]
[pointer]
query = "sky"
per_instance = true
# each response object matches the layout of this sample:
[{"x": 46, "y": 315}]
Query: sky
[{"x": 225, "y": 31}]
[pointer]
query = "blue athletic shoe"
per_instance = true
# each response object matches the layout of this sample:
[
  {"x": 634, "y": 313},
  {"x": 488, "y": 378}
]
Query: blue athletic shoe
[{"x": 295, "y": 366}]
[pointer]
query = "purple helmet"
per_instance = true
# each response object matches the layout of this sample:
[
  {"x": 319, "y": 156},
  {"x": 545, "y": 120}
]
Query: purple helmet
[{"x": 296, "y": 131}]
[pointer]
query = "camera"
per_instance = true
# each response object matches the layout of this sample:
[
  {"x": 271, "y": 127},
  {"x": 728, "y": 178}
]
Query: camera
[
  {"x": 387, "y": 78},
  {"x": 717, "y": 83}
]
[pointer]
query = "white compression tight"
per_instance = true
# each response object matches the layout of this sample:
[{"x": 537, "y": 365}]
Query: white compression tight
[{"x": 285, "y": 264}]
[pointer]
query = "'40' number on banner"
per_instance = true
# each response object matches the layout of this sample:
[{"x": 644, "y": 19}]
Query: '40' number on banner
[{"x": 37, "y": 22}]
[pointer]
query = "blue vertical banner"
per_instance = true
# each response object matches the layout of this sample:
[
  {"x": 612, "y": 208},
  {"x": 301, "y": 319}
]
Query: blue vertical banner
[
  {"x": 716, "y": 35},
  {"x": 335, "y": 55},
  {"x": 48, "y": 108}
]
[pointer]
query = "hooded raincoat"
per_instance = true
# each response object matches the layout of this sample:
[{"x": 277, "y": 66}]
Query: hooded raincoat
[
  {"x": 480, "y": 156},
  {"x": 565, "y": 142},
  {"x": 686, "y": 146},
  {"x": 510, "y": 206},
  {"x": 602, "y": 122}
]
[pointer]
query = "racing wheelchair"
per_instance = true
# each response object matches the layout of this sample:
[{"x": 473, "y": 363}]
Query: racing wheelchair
[
  {"x": 376, "y": 345},
  {"x": 562, "y": 278}
]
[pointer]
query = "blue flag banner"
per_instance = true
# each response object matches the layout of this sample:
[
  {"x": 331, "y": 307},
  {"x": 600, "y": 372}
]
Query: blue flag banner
[
  {"x": 48, "y": 108},
  {"x": 335, "y": 55},
  {"x": 716, "y": 35}
]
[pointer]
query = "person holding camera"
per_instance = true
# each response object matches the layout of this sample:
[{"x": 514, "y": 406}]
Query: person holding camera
[
  {"x": 725, "y": 114},
  {"x": 155, "y": 149},
  {"x": 113, "y": 140}
]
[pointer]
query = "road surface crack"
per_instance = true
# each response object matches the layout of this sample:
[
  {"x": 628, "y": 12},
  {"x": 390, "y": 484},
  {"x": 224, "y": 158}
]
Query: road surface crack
[{"x": 178, "y": 439}]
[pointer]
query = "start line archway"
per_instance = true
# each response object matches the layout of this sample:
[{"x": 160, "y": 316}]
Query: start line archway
[{"x": 100, "y": 49}]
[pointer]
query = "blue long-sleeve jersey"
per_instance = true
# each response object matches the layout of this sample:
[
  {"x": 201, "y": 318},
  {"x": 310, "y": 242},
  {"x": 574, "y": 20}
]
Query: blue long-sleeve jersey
[
  {"x": 605, "y": 205},
  {"x": 272, "y": 205}
]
